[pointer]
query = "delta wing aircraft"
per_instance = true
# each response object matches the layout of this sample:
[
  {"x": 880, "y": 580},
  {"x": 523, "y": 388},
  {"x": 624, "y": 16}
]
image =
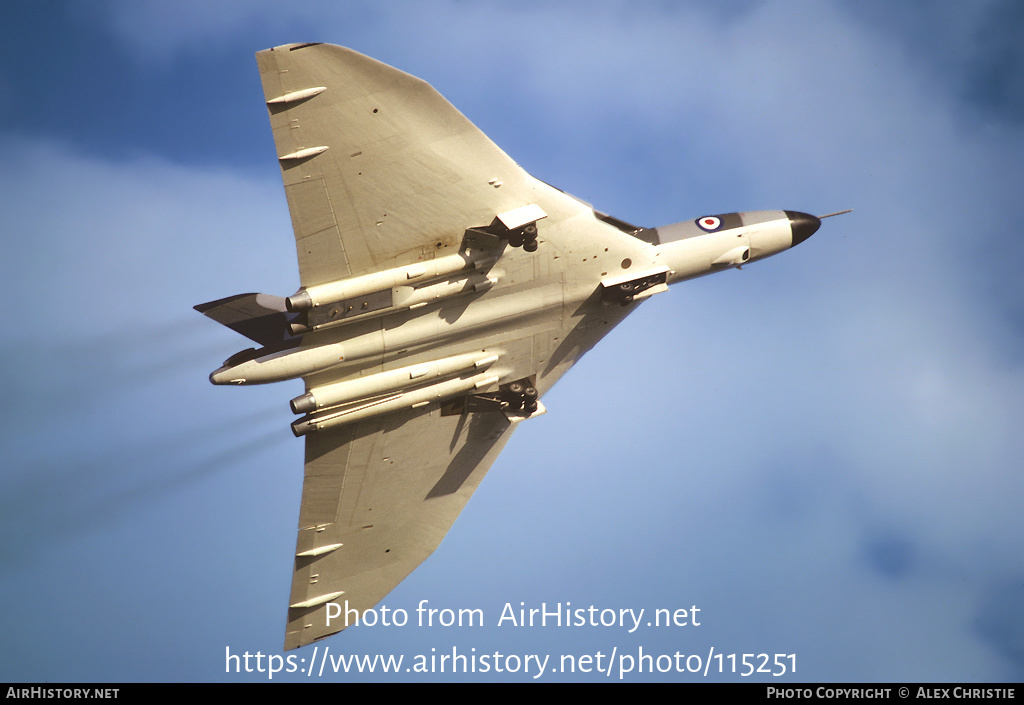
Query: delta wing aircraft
[{"x": 443, "y": 291}]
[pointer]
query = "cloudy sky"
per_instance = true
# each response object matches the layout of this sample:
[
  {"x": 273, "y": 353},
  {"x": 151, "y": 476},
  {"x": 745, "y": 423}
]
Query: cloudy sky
[{"x": 822, "y": 452}]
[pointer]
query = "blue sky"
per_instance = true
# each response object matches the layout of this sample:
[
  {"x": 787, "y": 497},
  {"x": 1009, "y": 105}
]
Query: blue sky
[{"x": 822, "y": 452}]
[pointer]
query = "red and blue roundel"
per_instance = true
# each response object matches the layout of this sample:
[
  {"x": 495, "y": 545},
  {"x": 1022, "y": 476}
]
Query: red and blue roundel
[{"x": 709, "y": 223}]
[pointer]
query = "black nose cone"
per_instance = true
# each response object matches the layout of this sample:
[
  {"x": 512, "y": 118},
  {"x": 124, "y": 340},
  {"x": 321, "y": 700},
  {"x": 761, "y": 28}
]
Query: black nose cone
[{"x": 803, "y": 226}]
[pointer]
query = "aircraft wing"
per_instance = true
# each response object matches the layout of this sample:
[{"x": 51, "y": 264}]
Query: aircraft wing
[
  {"x": 379, "y": 169},
  {"x": 377, "y": 499}
]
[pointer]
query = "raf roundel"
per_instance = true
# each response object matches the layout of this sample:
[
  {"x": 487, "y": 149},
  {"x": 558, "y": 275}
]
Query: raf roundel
[{"x": 709, "y": 223}]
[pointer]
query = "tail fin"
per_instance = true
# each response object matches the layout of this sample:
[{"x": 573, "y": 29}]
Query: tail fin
[{"x": 259, "y": 317}]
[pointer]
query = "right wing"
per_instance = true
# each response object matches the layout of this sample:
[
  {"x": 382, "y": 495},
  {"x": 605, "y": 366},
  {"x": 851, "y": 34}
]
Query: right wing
[{"x": 377, "y": 499}]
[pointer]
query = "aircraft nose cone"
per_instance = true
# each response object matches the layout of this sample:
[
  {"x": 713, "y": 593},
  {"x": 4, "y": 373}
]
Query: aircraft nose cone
[{"x": 803, "y": 226}]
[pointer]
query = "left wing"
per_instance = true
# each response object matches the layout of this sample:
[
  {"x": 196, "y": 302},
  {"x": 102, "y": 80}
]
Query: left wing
[
  {"x": 379, "y": 169},
  {"x": 378, "y": 497}
]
